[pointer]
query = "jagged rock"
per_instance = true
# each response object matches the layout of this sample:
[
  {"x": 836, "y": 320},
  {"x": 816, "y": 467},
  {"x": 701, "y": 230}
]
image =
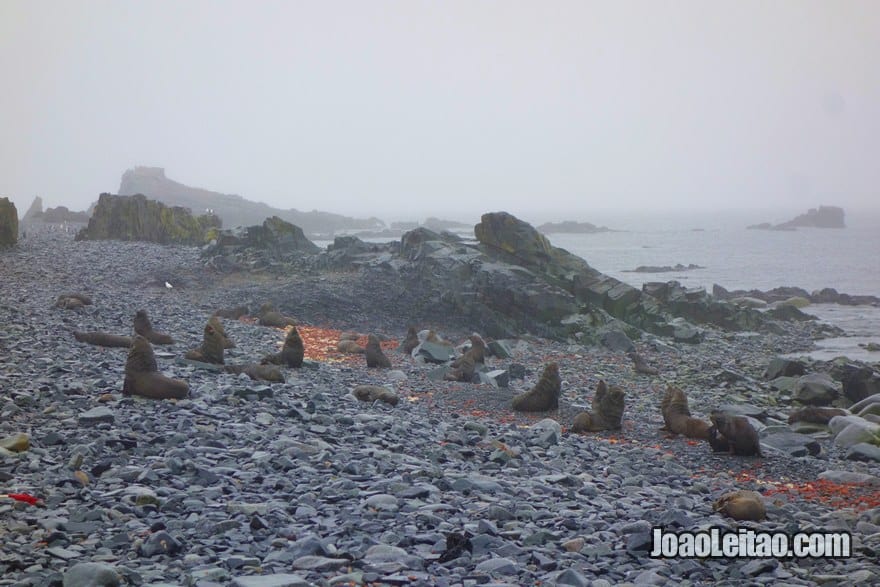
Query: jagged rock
[
  {"x": 495, "y": 378},
  {"x": 616, "y": 340},
  {"x": 816, "y": 389},
  {"x": 135, "y": 218},
  {"x": 34, "y": 212},
  {"x": 63, "y": 214},
  {"x": 8, "y": 223},
  {"x": 789, "y": 313}
]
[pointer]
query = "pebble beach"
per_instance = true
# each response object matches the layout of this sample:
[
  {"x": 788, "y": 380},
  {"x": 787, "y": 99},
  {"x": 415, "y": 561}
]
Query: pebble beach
[{"x": 262, "y": 484}]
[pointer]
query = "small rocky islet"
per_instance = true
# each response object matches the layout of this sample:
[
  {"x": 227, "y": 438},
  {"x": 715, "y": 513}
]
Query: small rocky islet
[{"x": 321, "y": 481}]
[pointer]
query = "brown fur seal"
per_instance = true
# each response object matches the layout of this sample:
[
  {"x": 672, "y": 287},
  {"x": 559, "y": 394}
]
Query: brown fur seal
[
  {"x": 232, "y": 313},
  {"x": 215, "y": 323},
  {"x": 743, "y": 438},
  {"x": 815, "y": 415},
  {"x": 349, "y": 346},
  {"x": 269, "y": 316},
  {"x": 143, "y": 327},
  {"x": 464, "y": 367},
  {"x": 375, "y": 356},
  {"x": 72, "y": 301},
  {"x": 640, "y": 365},
  {"x": 142, "y": 375},
  {"x": 258, "y": 372},
  {"x": 677, "y": 416},
  {"x": 371, "y": 393},
  {"x": 211, "y": 349},
  {"x": 742, "y": 505},
  {"x": 411, "y": 341},
  {"x": 607, "y": 410},
  {"x": 350, "y": 335},
  {"x": 103, "y": 339},
  {"x": 544, "y": 395},
  {"x": 292, "y": 352}
]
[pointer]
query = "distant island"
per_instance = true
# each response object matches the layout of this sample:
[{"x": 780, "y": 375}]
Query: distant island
[
  {"x": 234, "y": 210},
  {"x": 821, "y": 217},
  {"x": 571, "y": 226},
  {"x": 663, "y": 269}
]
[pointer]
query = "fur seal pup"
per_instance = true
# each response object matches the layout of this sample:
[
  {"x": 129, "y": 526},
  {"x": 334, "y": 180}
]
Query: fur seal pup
[
  {"x": 371, "y": 393},
  {"x": 640, "y": 365},
  {"x": 350, "y": 347},
  {"x": 411, "y": 341},
  {"x": 215, "y": 322},
  {"x": 677, "y": 417},
  {"x": 232, "y": 313},
  {"x": 544, "y": 395},
  {"x": 257, "y": 372},
  {"x": 72, "y": 301},
  {"x": 717, "y": 440},
  {"x": 143, "y": 327},
  {"x": 292, "y": 352},
  {"x": 743, "y": 438},
  {"x": 374, "y": 355},
  {"x": 142, "y": 375},
  {"x": 269, "y": 316},
  {"x": 741, "y": 505},
  {"x": 211, "y": 350},
  {"x": 607, "y": 410},
  {"x": 815, "y": 415},
  {"x": 464, "y": 368},
  {"x": 103, "y": 339}
]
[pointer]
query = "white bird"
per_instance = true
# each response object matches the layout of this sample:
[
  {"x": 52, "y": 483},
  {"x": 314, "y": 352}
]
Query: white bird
[{"x": 168, "y": 285}]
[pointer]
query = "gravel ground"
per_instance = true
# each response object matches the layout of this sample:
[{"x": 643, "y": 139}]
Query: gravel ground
[{"x": 298, "y": 483}]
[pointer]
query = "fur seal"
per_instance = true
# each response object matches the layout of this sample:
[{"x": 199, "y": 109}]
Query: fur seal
[
  {"x": 544, "y": 395},
  {"x": 607, "y": 410},
  {"x": 257, "y": 372},
  {"x": 743, "y": 438},
  {"x": 411, "y": 341},
  {"x": 103, "y": 339},
  {"x": 371, "y": 393},
  {"x": 292, "y": 352},
  {"x": 215, "y": 322},
  {"x": 232, "y": 313},
  {"x": 464, "y": 367},
  {"x": 375, "y": 356},
  {"x": 640, "y": 365},
  {"x": 269, "y": 316},
  {"x": 211, "y": 350},
  {"x": 677, "y": 416},
  {"x": 350, "y": 335},
  {"x": 815, "y": 415},
  {"x": 741, "y": 505},
  {"x": 143, "y": 327},
  {"x": 142, "y": 375},
  {"x": 72, "y": 301},
  {"x": 349, "y": 346}
]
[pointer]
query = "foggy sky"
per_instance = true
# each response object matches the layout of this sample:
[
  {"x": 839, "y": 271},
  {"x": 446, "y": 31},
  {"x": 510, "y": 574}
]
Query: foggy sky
[{"x": 405, "y": 109}]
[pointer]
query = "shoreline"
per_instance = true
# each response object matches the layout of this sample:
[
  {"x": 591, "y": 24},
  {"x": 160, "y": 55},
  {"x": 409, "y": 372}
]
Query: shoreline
[{"x": 371, "y": 490}]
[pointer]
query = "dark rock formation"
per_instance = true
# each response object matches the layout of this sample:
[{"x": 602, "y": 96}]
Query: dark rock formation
[
  {"x": 63, "y": 214},
  {"x": 664, "y": 268},
  {"x": 827, "y": 295},
  {"x": 232, "y": 209},
  {"x": 34, "y": 212},
  {"x": 135, "y": 218},
  {"x": 571, "y": 227},
  {"x": 273, "y": 242},
  {"x": 821, "y": 217},
  {"x": 8, "y": 223}
]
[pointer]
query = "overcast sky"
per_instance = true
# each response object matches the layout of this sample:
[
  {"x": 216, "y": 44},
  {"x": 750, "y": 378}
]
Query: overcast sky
[{"x": 404, "y": 109}]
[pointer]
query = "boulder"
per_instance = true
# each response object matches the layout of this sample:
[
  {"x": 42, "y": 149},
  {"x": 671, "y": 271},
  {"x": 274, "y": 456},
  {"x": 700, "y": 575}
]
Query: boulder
[
  {"x": 858, "y": 432},
  {"x": 859, "y": 381},
  {"x": 788, "y": 313},
  {"x": 861, "y": 405},
  {"x": 135, "y": 218},
  {"x": 816, "y": 389},
  {"x": 792, "y": 444},
  {"x": 618, "y": 341},
  {"x": 8, "y": 223},
  {"x": 780, "y": 367},
  {"x": 863, "y": 451}
]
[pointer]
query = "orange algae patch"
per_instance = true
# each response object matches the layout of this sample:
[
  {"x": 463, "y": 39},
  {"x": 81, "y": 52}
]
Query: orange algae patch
[
  {"x": 320, "y": 345},
  {"x": 837, "y": 495}
]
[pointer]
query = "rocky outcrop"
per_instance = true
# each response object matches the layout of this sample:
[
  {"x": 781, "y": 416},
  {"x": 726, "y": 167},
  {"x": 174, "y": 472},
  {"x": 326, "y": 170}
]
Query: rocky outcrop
[
  {"x": 34, "y": 212},
  {"x": 272, "y": 242},
  {"x": 827, "y": 295},
  {"x": 821, "y": 217},
  {"x": 663, "y": 268},
  {"x": 571, "y": 227},
  {"x": 233, "y": 210},
  {"x": 135, "y": 218},
  {"x": 8, "y": 223},
  {"x": 63, "y": 214}
]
